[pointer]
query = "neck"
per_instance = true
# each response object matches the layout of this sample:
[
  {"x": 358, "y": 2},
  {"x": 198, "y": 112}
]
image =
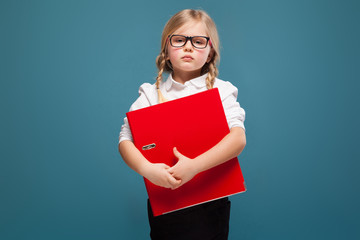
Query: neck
[{"x": 182, "y": 77}]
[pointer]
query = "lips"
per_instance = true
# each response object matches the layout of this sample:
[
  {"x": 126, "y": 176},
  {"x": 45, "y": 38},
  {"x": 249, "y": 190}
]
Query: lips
[{"x": 187, "y": 58}]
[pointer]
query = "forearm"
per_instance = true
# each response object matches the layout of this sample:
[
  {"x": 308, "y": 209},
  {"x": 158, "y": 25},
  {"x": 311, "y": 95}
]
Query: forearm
[
  {"x": 133, "y": 157},
  {"x": 229, "y": 147}
]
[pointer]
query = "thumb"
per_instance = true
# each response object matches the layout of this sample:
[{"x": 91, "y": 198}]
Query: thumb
[{"x": 177, "y": 153}]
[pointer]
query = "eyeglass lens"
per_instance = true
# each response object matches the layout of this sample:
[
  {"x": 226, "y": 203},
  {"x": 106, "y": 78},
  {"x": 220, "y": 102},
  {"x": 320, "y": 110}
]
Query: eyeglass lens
[{"x": 197, "y": 41}]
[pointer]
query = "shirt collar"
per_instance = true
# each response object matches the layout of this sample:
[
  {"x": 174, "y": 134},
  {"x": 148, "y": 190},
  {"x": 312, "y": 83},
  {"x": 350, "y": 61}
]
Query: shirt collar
[{"x": 198, "y": 82}]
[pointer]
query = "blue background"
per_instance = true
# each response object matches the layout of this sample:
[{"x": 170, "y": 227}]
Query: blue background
[{"x": 71, "y": 69}]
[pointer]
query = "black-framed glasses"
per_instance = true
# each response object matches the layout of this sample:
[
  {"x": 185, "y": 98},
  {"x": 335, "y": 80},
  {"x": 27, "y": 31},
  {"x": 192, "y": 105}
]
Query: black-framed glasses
[{"x": 197, "y": 41}]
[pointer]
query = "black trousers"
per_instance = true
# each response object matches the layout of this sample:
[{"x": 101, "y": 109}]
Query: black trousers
[{"x": 205, "y": 221}]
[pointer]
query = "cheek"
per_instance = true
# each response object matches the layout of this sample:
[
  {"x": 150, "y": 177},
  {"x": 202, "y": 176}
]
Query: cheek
[
  {"x": 174, "y": 53},
  {"x": 203, "y": 54}
]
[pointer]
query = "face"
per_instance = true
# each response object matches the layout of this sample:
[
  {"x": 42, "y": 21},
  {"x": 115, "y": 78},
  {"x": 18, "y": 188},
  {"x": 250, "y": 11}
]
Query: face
[{"x": 188, "y": 59}]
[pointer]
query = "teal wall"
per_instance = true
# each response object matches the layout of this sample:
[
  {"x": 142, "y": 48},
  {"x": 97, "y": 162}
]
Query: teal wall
[{"x": 71, "y": 69}]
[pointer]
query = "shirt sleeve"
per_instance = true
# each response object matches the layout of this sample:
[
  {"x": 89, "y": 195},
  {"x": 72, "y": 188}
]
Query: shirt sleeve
[
  {"x": 235, "y": 114},
  {"x": 141, "y": 102}
]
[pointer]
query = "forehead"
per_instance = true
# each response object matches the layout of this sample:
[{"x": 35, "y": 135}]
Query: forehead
[{"x": 192, "y": 28}]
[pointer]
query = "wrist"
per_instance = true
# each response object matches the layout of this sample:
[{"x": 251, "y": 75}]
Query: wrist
[
  {"x": 197, "y": 165},
  {"x": 144, "y": 168}
]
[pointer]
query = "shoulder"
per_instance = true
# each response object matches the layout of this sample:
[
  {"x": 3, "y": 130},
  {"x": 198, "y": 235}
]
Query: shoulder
[
  {"x": 226, "y": 88},
  {"x": 147, "y": 89},
  {"x": 147, "y": 96}
]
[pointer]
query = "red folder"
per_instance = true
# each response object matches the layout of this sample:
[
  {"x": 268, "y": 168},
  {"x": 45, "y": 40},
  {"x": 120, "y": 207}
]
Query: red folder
[{"x": 193, "y": 124}]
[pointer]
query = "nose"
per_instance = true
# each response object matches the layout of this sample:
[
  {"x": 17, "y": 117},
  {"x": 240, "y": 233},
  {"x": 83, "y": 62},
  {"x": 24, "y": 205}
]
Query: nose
[{"x": 188, "y": 46}]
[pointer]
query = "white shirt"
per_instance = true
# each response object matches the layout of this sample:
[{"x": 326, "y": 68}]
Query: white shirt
[{"x": 171, "y": 90}]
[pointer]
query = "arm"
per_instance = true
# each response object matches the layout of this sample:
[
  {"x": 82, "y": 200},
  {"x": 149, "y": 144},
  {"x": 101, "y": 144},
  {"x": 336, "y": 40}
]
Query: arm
[
  {"x": 229, "y": 147},
  {"x": 155, "y": 173}
]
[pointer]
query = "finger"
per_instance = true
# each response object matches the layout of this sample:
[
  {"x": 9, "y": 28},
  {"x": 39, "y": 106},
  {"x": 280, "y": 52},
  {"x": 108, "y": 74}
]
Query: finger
[
  {"x": 171, "y": 170},
  {"x": 163, "y": 165},
  {"x": 173, "y": 181},
  {"x": 182, "y": 183},
  {"x": 179, "y": 185},
  {"x": 164, "y": 184},
  {"x": 168, "y": 184}
]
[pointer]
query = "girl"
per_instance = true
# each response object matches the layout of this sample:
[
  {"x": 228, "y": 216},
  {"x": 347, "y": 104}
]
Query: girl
[{"x": 189, "y": 52}]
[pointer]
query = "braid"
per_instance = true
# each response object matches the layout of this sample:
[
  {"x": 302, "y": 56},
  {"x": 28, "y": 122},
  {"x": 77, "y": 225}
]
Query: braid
[
  {"x": 161, "y": 64},
  {"x": 212, "y": 74}
]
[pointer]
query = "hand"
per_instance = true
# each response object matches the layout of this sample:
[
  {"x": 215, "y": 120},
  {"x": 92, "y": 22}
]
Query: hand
[
  {"x": 158, "y": 174},
  {"x": 184, "y": 169}
]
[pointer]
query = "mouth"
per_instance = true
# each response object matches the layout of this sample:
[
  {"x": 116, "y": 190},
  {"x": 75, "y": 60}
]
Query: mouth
[{"x": 187, "y": 58}]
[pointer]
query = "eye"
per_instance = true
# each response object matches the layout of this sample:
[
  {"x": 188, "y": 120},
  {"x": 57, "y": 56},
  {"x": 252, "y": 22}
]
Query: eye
[
  {"x": 178, "y": 39},
  {"x": 199, "y": 41}
]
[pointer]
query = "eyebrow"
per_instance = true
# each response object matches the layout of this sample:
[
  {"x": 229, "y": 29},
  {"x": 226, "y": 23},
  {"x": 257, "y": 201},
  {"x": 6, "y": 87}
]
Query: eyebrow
[{"x": 201, "y": 35}]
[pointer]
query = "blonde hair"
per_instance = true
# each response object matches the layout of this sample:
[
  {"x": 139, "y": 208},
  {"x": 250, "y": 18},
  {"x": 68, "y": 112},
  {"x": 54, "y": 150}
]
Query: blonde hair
[{"x": 177, "y": 21}]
